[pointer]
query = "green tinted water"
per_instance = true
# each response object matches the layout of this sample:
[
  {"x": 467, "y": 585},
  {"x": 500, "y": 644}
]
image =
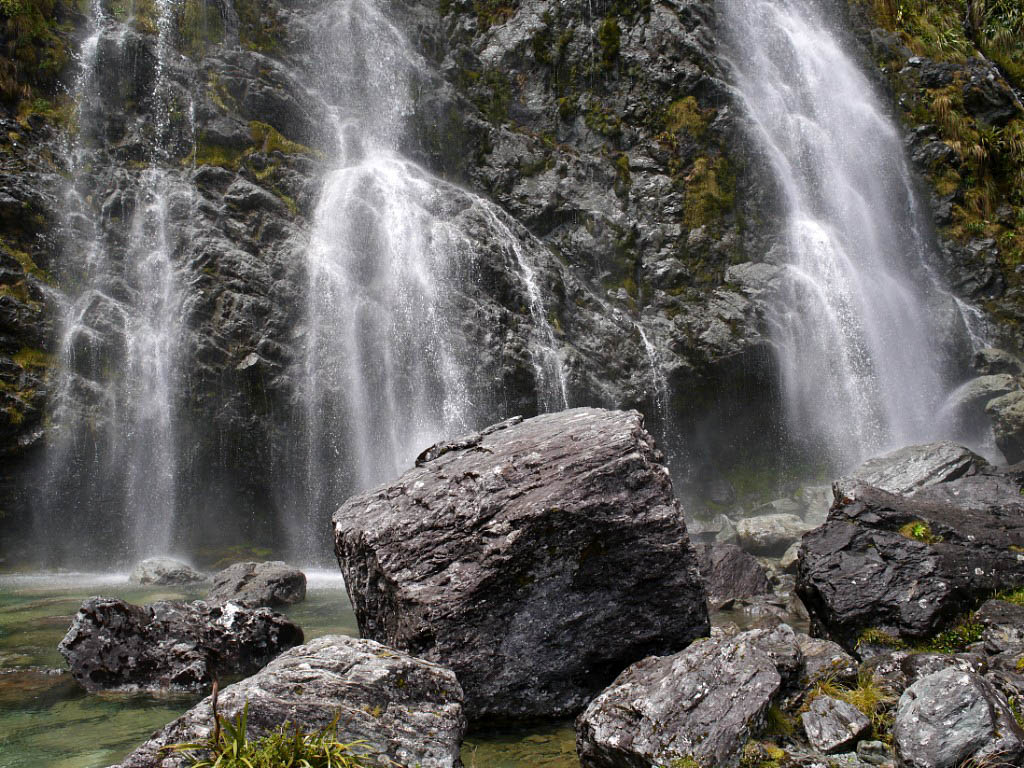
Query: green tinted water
[{"x": 47, "y": 721}]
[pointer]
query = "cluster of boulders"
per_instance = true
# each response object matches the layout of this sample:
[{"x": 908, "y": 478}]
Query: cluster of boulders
[
  {"x": 542, "y": 568},
  {"x": 185, "y": 645}
]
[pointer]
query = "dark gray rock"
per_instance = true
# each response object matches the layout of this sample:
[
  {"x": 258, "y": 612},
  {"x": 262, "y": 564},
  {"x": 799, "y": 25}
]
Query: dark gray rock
[
  {"x": 832, "y": 725},
  {"x": 920, "y": 665},
  {"x": 950, "y": 717},
  {"x": 884, "y": 668},
  {"x": 909, "y": 469},
  {"x": 989, "y": 362},
  {"x": 790, "y": 558},
  {"x": 982, "y": 491},
  {"x": 729, "y": 572},
  {"x": 770, "y": 534},
  {"x": 536, "y": 559},
  {"x": 701, "y": 704},
  {"x": 163, "y": 571},
  {"x": 253, "y": 584},
  {"x": 113, "y": 644},
  {"x": 1004, "y": 626},
  {"x": 976, "y": 393},
  {"x": 874, "y": 752},
  {"x": 1007, "y": 414},
  {"x": 402, "y": 710},
  {"x": 824, "y": 659},
  {"x": 863, "y": 569}
]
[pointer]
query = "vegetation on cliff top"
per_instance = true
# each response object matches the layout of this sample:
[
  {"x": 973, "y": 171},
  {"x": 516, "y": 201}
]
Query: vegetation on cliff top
[{"x": 986, "y": 181}]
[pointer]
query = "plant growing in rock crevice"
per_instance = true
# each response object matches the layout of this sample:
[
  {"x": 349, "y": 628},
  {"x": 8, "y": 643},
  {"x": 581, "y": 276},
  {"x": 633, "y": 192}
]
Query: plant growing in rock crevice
[
  {"x": 229, "y": 746},
  {"x": 867, "y": 696}
]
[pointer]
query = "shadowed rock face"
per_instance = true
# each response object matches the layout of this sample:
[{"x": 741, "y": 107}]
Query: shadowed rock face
[
  {"x": 908, "y": 566},
  {"x": 536, "y": 558},
  {"x": 114, "y": 644},
  {"x": 403, "y": 711}
]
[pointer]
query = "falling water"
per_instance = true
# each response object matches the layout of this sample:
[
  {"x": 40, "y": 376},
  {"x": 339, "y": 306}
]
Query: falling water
[
  {"x": 853, "y": 327},
  {"x": 112, "y": 460},
  {"x": 384, "y": 374}
]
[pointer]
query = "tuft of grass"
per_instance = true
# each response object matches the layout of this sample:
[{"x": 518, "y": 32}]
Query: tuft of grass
[
  {"x": 684, "y": 762},
  {"x": 1015, "y": 596},
  {"x": 761, "y": 754},
  {"x": 918, "y": 530},
  {"x": 957, "y": 638},
  {"x": 778, "y": 723},
  {"x": 28, "y": 357},
  {"x": 267, "y": 139},
  {"x": 876, "y": 636},
  {"x": 710, "y": 191},
  {"x": 686, "y": 115},
  {"x": 867, "y": 696},
  {"x": 230, "y": 747}
]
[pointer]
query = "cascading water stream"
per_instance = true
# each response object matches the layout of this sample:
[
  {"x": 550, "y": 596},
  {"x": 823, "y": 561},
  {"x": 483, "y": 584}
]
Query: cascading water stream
[
  {"x": 383, "y": 376},
  {"x": 112, "y": 458},
  {"x": 854, "y": 326}
]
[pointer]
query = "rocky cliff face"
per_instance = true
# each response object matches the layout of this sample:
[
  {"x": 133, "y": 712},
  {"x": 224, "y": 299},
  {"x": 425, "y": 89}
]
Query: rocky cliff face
[
  {"x": 606, "y": 130},
  {"x": 955, "y": 76}
]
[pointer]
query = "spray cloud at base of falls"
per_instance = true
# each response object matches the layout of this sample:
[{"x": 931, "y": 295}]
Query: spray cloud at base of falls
[{"x": 858, "y": 318}]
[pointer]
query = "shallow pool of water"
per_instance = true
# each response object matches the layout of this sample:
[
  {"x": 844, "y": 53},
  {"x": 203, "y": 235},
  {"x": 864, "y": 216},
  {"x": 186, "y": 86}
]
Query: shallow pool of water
[{"x": 47, "y": 721}]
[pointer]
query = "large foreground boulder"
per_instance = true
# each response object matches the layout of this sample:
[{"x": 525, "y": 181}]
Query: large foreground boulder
[
  {"x": 909, "y": 566},
  {"x": 404, "y": 711},
  {"x": 253, "y": 584},
  {"x": 697, "y": 707},
  {"x": 114, "y": 644},
  {"x": 537, "y": 559}
]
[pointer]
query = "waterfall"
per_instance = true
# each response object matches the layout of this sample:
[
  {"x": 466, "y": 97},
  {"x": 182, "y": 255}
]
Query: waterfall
[
  {"x": 855, "y": 324},
  {"x": 112, "y": 456},
  {"x": 385, "y": 373}
]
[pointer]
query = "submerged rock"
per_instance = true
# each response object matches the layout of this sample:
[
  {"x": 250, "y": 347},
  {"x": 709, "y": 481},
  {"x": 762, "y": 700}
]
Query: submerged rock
[
  {"x": 403, "y": 711},
  {"x": 701, "y": 704},
  {"x": 537, "y": 559},
  {"x": 114, "y": 644},
  {"x": 906, "y": 567},
  {"x": 951, "y": 717},
  {"x": 254, "y": 584},
  {"x": 164, "y": 571}
]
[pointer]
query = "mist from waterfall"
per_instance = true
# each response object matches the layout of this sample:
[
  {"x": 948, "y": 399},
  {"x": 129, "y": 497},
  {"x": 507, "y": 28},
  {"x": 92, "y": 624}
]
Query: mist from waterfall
[
  {"x": 854, "y": 324},
  {"x": 110, "y": 471}
]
